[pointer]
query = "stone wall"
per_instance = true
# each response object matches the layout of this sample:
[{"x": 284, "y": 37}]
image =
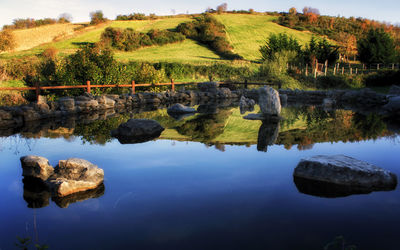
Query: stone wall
[{"x": 87, "y": 104}]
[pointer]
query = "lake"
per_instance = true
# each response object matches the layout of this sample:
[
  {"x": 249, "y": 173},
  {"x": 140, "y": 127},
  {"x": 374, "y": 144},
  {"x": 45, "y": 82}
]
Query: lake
[{"x": 209, "y": 182}]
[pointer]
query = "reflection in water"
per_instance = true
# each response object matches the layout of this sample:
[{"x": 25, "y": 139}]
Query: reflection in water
[
  {"x": 37, "y": 194},
  {"x": 267, "y": 134},
  {"x": 330, "y": 190},
  {"x": 220, "y": 123}
]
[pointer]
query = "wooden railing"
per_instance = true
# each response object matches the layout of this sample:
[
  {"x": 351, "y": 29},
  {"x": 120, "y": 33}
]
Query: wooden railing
[{"x": 133, "y": 86}]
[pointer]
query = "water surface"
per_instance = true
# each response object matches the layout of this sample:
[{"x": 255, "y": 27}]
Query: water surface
[{"x": 204, "y": 184}]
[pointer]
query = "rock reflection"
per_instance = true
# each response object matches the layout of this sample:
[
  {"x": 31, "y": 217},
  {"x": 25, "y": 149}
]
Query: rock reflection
[
  {"x": 329, "y": 190},
  {"x": 37, "y": 194},
  {"x": 267, "y": 134},
  {"x": 64, "y": 202}
]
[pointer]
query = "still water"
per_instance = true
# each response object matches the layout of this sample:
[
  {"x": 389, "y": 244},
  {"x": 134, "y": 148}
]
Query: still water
[{"x": 204, "y": 184}]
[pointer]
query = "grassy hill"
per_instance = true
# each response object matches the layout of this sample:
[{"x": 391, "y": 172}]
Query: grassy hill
[{"x": 245, "y": 32}]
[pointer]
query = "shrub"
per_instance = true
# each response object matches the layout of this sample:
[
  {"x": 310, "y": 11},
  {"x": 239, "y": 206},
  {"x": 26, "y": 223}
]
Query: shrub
[
  {"x": 129, "y": 40},
  {"x": 383, "y": 78},
  {"x": 50, "y": 53},
  {"x": 206, "y": 29},
  {"x": 7, "y": 40}
]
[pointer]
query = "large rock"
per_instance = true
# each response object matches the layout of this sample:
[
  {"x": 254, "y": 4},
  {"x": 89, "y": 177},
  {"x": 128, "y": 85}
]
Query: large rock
[
  {"x": 394, "y": 90},
  {"x": 269, "y": 101},
  {"x": 208, "y": 86},
  {"x": 180, "y": 109},
  {"x": 392, "y": 108},
  {"x": 345, "y": 171},
  {"x": 137, "y": 130},
  {"x": 36, "y": 167},
  {"x": 67, "y": 104},
  {"x": 75, "y": 175},
  {"x": 105, "y": 102}
]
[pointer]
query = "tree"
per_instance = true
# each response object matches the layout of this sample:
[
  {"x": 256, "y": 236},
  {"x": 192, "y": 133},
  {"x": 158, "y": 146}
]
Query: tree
[
  {"x": 7, "y": 40},
  {"x": 278, "y": 43},
  {"x": 65, "y": 18},
  {"x": 97, "y": 17},
  {"x": 321, "y": 50},
  {"x": 222, "y": 8},
  {"x": 377, "y": 47},
  {"x": 292, "y": 11}
]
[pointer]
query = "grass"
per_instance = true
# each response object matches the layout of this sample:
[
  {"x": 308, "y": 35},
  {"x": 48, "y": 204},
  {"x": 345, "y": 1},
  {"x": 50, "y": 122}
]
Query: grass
[{"x": 248, "y": 32}]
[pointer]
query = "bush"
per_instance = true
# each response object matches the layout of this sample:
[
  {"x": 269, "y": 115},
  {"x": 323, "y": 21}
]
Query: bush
[
  {"x": 50, "y": 53},
  {"x": 206, "y": 29},
  {"x": 129, "y": 40},
  {"x": 382, "y": 78},
  {"x": 7, "y": 41}
]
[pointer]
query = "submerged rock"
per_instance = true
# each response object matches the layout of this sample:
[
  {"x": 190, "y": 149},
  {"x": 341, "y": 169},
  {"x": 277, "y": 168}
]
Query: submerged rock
[
  {"x": 180, "y": 109},
  {"x": 36, "y": 167},
  {"x": 345, "y": 171},
  {"x": 137, "y": 130}
]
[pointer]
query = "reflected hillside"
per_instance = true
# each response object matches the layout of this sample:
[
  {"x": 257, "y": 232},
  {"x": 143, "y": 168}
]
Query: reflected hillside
[{"x": 221, "y": 126}]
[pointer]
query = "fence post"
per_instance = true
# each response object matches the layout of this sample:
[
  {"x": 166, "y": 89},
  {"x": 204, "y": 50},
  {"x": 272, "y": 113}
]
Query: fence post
[
  {"x": 356, "y": 71},
  {"x": 88, "y": 86},
  {"x": 351, "y": 70},
  {"x": 334, "y": 70},
  {"x": 377, "y": 66},
  {"x": 342, "y": 70},
  {"x": 172, "y": 85},
  {"x": 133, "y": 87},
  {"x": 245, "y": 84},
  {"x": 306, "y": 69},
  {"x": 392, "y": 66},
  {"x": 37, "y": 91}
]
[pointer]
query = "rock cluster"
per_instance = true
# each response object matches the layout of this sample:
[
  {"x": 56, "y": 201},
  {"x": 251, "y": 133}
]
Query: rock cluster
[
  {"x": 68, "y": 177},
  {"x": 87, "y": 103}
]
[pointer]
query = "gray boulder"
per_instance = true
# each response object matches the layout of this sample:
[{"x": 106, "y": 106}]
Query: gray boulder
[
  {"x": 269, "y": 101},
  {"x": 75, "y": 175},
  {"x": 67, "y": 104},
  {"x": 137, "y": 130},
  {"x": 180, "y": 109},
  {"x": 208, "y": 86},
  {"x": 393, "y": 105},
  {"x": 36, "y": 167},
  {"x": 394, "y": 90},
  {"x": 345, "y": 171}
]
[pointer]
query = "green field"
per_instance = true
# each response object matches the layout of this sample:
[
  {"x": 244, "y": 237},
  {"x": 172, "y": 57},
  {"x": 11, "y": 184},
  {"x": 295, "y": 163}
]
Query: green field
[{"x": 245, "y": 32}]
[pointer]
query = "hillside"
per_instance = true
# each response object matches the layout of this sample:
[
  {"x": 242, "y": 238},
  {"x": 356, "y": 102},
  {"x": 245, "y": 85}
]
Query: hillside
[{"x": 245, "y": 32}]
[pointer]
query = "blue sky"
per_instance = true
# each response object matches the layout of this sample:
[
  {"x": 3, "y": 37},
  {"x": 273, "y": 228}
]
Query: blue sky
[{"x": 383, "y": 10}]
